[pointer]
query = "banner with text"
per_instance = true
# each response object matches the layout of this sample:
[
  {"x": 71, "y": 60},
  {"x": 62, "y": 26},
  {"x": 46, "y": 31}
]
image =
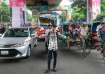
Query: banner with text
[{"x": 16, "y": 3}]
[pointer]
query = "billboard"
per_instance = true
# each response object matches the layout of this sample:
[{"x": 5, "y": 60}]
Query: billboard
[
  {"x": 93, "y": 9},
  {"x": 16, "y": 3},
  {"x": 16, "y": 17},
  {"x": 96, "y": 8}
]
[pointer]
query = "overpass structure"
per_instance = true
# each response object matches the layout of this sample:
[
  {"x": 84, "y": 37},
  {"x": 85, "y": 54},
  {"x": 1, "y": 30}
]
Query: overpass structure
[{"x": 36, "y": 6}]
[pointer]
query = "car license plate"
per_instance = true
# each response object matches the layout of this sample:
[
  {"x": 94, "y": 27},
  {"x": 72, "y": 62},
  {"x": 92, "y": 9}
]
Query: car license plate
[{"x": 4, "y": 52}]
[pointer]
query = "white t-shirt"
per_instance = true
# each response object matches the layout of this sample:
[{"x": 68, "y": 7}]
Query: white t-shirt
[{"x": 98, "y": 27}]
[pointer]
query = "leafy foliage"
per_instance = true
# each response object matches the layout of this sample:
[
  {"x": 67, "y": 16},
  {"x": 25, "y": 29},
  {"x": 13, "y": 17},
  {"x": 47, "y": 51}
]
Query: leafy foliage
[
  {"x": 79, "y": 9},
  {"x": 4, "y": 12},
  {"x": 102, "y": 15},
  {"x": 103, "y": 7}
]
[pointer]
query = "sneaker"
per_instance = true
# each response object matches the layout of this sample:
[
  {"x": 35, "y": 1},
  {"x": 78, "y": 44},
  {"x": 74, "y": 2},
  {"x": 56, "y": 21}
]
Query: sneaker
[
  {"x": 47, "y": 71},
  {"x": 54, "y": 70},
  {"x": 101, "y": 51}
]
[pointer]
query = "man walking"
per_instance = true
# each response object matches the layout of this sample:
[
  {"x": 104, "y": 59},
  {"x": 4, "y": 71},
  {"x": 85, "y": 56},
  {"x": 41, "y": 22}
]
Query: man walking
[{"x": 52, "y": 48}]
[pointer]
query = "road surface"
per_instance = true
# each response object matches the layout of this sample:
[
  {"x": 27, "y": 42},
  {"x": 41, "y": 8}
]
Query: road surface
[{"x": 69, "y": 62}]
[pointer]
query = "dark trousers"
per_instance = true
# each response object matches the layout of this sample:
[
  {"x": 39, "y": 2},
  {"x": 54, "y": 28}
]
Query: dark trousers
[
  {"x": 46, "y": 45},
  {"x": 52, "y": 55}
]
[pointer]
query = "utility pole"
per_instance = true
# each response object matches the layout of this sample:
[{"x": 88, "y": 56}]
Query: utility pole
[{"x": 89, "y": 13}]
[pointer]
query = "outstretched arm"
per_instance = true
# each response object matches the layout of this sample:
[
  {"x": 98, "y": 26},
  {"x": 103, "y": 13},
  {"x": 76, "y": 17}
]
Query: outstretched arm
[{"x": 61, "y": 35}]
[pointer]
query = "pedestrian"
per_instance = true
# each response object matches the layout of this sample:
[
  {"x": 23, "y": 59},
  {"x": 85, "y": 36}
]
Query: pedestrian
[
  {"x": 102, "y": 37},
  {"x": 98, "y": 28},
  {"x": 69, "y": 38},
  {"x": 52, "y": 47},
  {"x": 2, "y": 29}
]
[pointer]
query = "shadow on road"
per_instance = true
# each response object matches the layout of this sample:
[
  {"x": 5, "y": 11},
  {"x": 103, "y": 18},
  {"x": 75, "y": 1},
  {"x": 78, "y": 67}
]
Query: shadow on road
[
  {"x": 8, "y": 61},
  {"x": 39, "y": 55},
  {"x": 72, "y": 52}
]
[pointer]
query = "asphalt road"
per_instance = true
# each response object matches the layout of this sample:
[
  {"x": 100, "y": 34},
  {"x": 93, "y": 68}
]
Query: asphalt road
[{"x": 69, "y": 62}]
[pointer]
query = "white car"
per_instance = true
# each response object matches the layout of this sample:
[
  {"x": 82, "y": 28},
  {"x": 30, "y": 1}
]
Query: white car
[
  {"x": 17, "y": 43},
  {"x": 0, "y": 35}
]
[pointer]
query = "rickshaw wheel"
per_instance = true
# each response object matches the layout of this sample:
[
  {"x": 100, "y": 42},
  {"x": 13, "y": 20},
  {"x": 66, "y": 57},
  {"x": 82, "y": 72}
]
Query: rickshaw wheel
[
  {"x": 84, "y": 48},
  {"x": 104, "y": 53}
]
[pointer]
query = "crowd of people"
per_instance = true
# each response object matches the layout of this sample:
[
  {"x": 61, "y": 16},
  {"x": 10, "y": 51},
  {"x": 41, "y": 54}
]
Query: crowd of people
[
  {"x": 101, "y": 36},
  {"x": 78, "y": 32}
]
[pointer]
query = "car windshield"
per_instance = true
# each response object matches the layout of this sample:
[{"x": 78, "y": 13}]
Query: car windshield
[
  {"x": 16, "y": 33},
  {"x": 44, "y": 26}
]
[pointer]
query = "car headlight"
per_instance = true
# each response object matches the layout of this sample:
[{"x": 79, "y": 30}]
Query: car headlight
[
  {"x": 21, "y": 44},
  {"x": 26, "y": 42}
]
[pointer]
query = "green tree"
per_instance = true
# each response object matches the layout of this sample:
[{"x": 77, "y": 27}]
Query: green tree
[
  {"x": 4, "y": 12},
  {"x": 102, "y": 15},
  {"x": 79, "y": 9},
  {"x": 103, "y": 7}
]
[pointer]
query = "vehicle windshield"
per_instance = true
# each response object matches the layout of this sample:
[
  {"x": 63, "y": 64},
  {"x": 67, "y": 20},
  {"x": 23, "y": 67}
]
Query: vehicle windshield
[
  {"x": 44, "y": 26},
  {"x": 16, "y": 33}
]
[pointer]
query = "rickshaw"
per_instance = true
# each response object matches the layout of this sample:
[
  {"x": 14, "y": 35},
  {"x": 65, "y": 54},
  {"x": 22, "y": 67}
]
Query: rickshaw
[
  {"x": 72, "y": 41},
  {"x": 95, "y": 42}
]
